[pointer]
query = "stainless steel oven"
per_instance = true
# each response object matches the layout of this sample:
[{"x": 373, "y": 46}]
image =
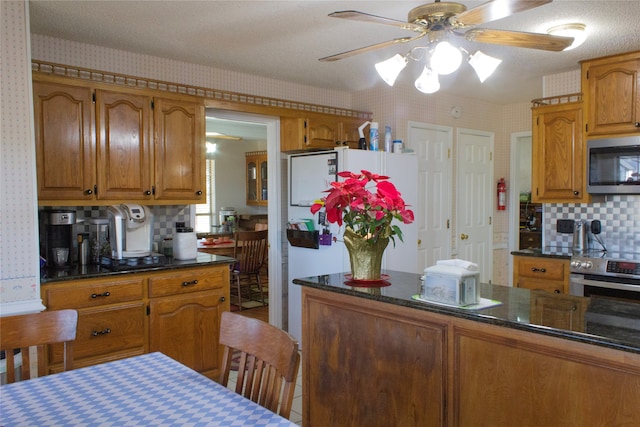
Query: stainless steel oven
[{"x": 608, "y": 275}]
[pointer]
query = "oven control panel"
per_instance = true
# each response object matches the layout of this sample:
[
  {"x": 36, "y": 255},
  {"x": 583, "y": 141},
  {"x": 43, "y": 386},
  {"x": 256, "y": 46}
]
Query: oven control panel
[{"x": 623, "y": 267}]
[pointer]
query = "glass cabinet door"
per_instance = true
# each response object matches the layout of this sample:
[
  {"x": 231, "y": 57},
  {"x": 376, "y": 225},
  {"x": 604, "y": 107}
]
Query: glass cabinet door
[
  {"x": 263, "y": 179},
  {"x": 252, "y": 182}
]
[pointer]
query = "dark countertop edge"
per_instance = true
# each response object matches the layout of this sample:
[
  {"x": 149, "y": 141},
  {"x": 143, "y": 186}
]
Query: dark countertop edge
[
  {"x": 542, "y": 253},
  {"x": 200, "y": 261},
  {"x": 479, "y": 317}
]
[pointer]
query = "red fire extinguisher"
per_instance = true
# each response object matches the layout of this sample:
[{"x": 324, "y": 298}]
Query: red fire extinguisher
[{"x": 502, "y": 195}]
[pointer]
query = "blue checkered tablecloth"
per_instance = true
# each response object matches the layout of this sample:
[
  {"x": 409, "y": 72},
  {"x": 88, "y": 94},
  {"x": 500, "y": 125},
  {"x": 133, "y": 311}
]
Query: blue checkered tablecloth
[{"x": 147, "y": 390}]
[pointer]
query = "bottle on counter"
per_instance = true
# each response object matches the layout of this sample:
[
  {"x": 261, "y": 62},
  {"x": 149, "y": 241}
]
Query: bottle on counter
[
  {"x": 373, "y": 136},
  {"x": 388, "y": 143}
]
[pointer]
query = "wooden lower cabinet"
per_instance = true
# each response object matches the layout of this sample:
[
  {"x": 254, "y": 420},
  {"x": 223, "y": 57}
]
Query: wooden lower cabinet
[
  {"x": 558, "y": 311},
  {"x": 537, "y": 273},
  {"x": 185, "y": 321},
  {"x": 176, "y": 312},
  {"x": 370, "y": 363}
]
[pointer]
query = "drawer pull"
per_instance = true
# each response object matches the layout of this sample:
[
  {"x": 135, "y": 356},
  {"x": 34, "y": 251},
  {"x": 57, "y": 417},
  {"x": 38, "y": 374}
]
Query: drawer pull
[
  {"x": 104, "y": 294},
  {"x": 191, "y": 283},
  {"x": 103, "y": 332},
  {"x": 538, "y": 270},
  {"x": 222, "y": 299}
]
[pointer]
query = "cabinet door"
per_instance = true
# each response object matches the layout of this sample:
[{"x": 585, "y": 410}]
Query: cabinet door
[
  {"x": 323, "y": 132},
  {"x": 558, "y": 171},
  {"x": 349, "y": 135},
  {"x": 65, "y": 160},
  {"x": 180, "y": 149},
  {"x": 257, "y": 178},
  {"x": 252, "y": 181},
  {"x": 612, "y": 94},
  {"x": 186, "y": 328},
  {"x": 124, "y": 146}
]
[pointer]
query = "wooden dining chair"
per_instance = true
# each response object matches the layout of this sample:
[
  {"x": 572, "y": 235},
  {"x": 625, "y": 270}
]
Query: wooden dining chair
[
  {"x": 251, "y": 248},
  {"x": 268, "y": 365},
  {"x": 37, "y": 329}
]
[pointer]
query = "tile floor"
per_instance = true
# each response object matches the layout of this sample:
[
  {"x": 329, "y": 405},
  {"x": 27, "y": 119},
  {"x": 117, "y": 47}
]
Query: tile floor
[{"x": 296, "y": 409}]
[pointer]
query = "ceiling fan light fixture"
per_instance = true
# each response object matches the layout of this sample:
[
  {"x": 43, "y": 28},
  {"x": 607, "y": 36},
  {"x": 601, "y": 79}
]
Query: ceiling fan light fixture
[
  {"x": 484, "y": 65},
  {"x": 445, "y": 58},
  {"x": 575, "y": 30},
  {"x": 428, "y": 81},
  {"x": 391, "y": 68}
]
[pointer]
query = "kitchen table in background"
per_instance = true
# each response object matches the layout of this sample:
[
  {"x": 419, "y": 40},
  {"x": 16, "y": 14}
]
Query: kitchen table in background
[{"x": 146, "y": 390}]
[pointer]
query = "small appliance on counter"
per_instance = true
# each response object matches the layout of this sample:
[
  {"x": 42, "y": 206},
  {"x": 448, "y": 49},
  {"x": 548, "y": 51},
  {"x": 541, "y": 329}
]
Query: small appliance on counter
[
  {"x": 185, "y": 243},
  {"x": 58, "y": 242},
  {"x": 131, "y": 238},
  {"x": 131, "y": 230},
  {"x": 453, "y": 282}
]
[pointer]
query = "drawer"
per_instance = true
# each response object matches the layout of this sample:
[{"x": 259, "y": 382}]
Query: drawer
[
  {"x": 94, "y": 294},
  {"x": 106, "y": 330},
  {"x": 189, "y": 281},
  {"x": 538, "y": 268}
]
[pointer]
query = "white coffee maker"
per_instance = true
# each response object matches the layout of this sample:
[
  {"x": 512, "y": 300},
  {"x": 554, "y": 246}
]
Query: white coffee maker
[{"x": 131, "y": 230}]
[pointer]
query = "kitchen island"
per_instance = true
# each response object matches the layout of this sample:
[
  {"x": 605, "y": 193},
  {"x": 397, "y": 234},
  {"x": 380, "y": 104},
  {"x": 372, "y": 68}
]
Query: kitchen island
[
  {"x": 374, "y": 356},
  {"x": 174, "y": 308}
]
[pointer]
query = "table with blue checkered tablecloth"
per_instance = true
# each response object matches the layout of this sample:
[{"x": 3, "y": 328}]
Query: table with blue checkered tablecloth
[{"x": 147, "y": 390}]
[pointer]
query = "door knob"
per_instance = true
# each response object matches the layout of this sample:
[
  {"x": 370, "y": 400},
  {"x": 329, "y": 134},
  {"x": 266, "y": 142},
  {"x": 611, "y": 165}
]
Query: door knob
[{"x": 464, "y": 236}]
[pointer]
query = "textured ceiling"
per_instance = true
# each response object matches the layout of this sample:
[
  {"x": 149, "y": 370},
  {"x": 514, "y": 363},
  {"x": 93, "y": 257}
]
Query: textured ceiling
[{"x": 284, "y": 39}]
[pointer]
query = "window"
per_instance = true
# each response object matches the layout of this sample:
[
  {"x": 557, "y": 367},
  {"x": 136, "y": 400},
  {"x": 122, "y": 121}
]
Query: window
[{"x": 205, "y": 212}]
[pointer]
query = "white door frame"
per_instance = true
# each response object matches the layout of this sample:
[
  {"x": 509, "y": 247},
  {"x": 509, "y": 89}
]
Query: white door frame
[
  {"x": 514, "y": 197},
  {"x": 274, "y": 210}
]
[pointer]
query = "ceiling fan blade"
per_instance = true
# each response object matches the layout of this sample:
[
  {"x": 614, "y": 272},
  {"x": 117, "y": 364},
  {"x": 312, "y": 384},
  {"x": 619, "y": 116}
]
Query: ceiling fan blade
[
  {"x": 370, "y": 48},
  {"x": 354, "y": 15},
  {"x": 519, "y": 39},
  {"x": 496, "y": 9}
]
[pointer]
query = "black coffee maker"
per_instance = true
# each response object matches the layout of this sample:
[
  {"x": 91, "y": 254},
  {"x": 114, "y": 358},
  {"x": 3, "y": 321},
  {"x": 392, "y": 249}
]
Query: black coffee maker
[{"x": 58, "y": 238}]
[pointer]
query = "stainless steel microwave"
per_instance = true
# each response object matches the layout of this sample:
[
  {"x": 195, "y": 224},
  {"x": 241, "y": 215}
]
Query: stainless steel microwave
[{"x": 613, "y": 165}]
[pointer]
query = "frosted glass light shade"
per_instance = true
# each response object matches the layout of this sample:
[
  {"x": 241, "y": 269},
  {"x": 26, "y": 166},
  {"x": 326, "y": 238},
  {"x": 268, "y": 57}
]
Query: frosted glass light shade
[
  {"x": 484, "y": 65},
  {"x": 445, "y": 58},
  {"x": 577, "y": 31},
  {"x": 428, "y": 81},
  {"x": 390, "y": 69}
]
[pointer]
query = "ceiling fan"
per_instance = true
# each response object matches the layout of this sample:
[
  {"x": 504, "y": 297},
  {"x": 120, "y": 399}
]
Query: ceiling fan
[{"x": 440, "y": 19}]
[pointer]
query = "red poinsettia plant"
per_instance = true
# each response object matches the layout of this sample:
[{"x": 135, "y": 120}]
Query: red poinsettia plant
[{"x": 365, "y": 208}]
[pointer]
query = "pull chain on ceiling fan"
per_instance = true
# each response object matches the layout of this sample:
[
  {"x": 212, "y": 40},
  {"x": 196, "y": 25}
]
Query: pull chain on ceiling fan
[{"x": 438, "y": 22}]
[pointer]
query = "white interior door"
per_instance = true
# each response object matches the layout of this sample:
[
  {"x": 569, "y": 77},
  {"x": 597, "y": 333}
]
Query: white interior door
[
  {"x": 432, "y": 145},
  {"x": 474, "y": 200}
]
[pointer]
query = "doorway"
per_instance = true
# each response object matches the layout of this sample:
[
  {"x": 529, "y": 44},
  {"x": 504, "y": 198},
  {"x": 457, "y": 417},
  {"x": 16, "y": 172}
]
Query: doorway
[
  {"x": 520, "y": 178},
  {"x": 270, "y": 125}
]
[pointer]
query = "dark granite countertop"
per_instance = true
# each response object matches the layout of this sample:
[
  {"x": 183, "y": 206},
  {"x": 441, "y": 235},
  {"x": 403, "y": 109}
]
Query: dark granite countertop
[
  {"x": 48, "y": 275},
  {"x": 560, "y": 252},
  {"x": 608, "y": 323}
]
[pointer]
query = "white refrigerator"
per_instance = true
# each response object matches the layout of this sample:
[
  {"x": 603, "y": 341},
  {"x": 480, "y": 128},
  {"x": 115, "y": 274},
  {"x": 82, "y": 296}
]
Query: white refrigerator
[{"x": 309, "y": 175}]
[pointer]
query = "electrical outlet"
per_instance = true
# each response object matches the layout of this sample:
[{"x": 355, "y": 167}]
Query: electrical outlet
[{"x": 565, "y": 226}]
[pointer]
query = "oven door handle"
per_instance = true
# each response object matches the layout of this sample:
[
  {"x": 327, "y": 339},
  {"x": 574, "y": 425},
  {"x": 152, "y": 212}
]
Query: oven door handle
[{"x": 577, "y": 282}]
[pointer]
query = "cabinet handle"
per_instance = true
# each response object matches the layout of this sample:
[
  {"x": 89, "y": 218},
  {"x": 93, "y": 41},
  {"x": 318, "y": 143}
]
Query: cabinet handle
[
  {"x": 193, "y": 282},
  {"x": 103, "y": 332},
  {"x": 147, "y": 193},
  {"x": 557, "y": 291},
  {"x": 222, "y": 299},
  {"x": 104, "y": 294},
  {"x": 88, "y": 191},
  {"x": 538, "y": 270},
  {"x": 199, "y": 193},
  {"x": 575, "y": 193},
  {"x": 637, "y": 124}
]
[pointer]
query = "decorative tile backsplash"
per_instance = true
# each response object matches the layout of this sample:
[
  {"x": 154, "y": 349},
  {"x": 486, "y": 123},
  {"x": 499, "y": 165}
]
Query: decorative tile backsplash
[
  {"x": 164, "y": 218},
  {"x": 619, "y": 216}
]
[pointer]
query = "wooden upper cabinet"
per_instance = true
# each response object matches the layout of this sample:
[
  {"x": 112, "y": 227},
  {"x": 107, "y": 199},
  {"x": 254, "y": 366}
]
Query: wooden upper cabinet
[
  {"x": 180, "y": 150},
  {"x": 559, "y": 155},
  {"x": 64, "y": 117},
  {"x": 315, "y": 132},
  {"x": 611, "y": 87},
  {"x": 349, "y": 135},
  {"x": 124, "y": 149}
]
